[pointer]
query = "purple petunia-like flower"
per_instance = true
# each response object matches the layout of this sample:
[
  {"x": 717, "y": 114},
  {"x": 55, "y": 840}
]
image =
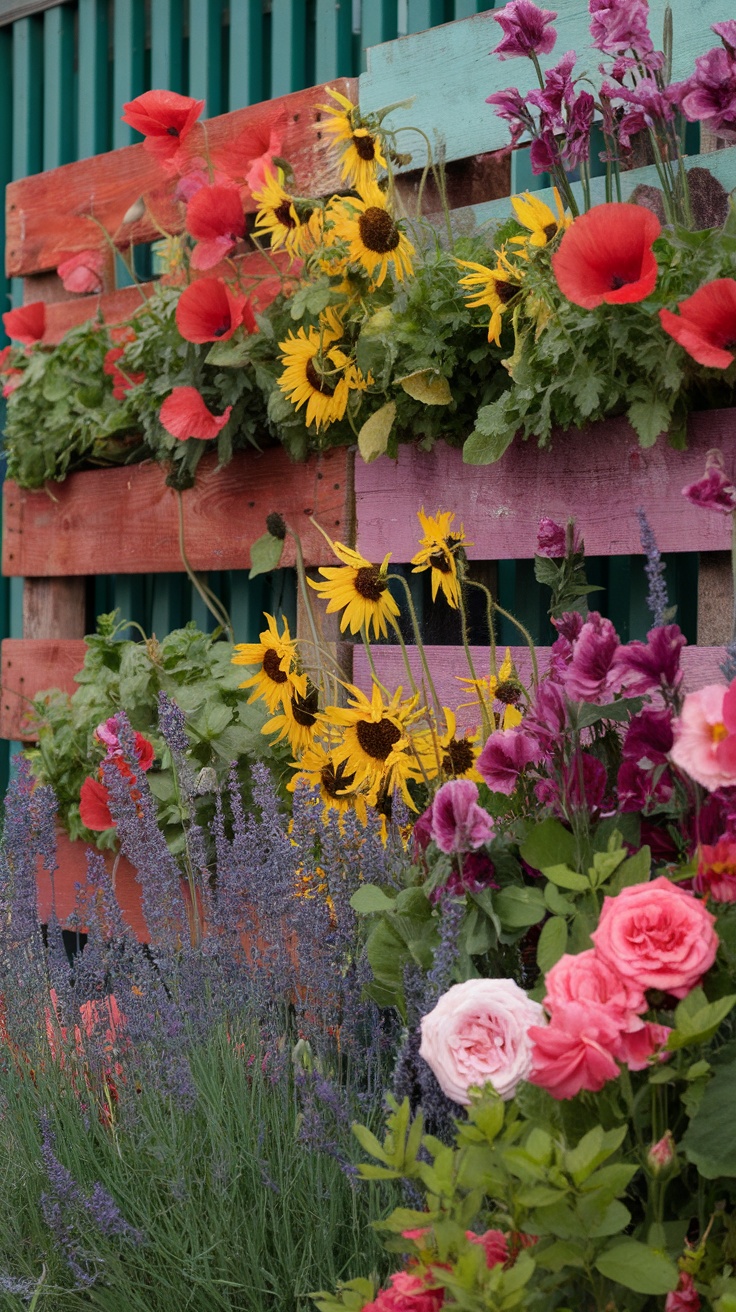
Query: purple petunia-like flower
[
  {"x": 459, "y": 824},
  {"x": 709, "y": 94},
  {"x": 727, "y": 32},
  {"x": 642, "y": 667},
  {"x": 504, "y": 756},
  {"x": 576, "y": 145},
  {"x": 714, "y": 491},
  {"x": 526, "y": 30},
  {"x": 551, "y": 538},
  {"x": 544, "y": 155},
  {"x": 588, "y": 677},
  {"x": 619, "y": 25},
  {"x": 558, "y": 91},
  {"x": 649, "y": 736}
]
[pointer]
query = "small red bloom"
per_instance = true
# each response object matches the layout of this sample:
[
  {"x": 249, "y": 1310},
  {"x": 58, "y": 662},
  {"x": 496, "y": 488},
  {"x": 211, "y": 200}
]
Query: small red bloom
[
  {"x": 216, "y": 220},
  {"x": 14, "y": 379},
  {"x": 94, "y": 808},
  {"x": 184, "y": 414},
  {"x": 81, "y": 273},
  {"x": 121, "y": 382},
  {"x": 706, "y": 324},
  {"x": 28, "y": 324},
  {"x": 606, "y": 256},
  {"x": 208, "y": 311},
  {"x": 247, "y": 158},
  {"x": 165, "y": 118}
]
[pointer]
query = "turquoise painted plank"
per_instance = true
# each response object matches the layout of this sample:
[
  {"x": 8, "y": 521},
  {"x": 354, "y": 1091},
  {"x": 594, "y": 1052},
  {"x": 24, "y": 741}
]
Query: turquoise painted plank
[
  {"x": 128, "y": 592},
  {"x": 129, "y": 47},
  {"x": 334, "y": 40},
  {"x": 167, "y": 49},
  {"x": 421, "y": 14},
  {"x": 247, "y": 66},
  {"x": 58, "y": 104},
  {"x": 449, "y": 72},
  {"x": 205, "y": 55},
  {"x": 93, "y": 135},
  {"x": 379, "y": 23},
  {"x": 288, "y": 47},
  {"x": 27, "y": 117}
]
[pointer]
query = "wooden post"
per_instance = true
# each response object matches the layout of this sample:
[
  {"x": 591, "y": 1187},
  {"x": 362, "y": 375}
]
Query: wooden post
[
  {"x": 715, "y": 599},
  {"x": 54, "y": 608}
]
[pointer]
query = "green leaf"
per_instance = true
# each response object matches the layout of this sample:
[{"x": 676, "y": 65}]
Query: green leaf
[
  {"x": 265, "y": 555},
  {"x": 638, "y": 1267},
  {"x": 549, "y": 844},
  {"x": 650, "y": 419},
  {"x": 485, "y": 448},
  {"x": 428, "y": 386},
  {"x": 697, "y": 1020},
  {"x": 552, "y": 943},
  {"x": 369, "y": 898},
  {"x": 231, "y": 354},
  {"x": 373, "y": 436},
  {"x": 519, "y": 907},
  {"x": 564, "y": 877},
  {"x": 709, "y": 1140}
]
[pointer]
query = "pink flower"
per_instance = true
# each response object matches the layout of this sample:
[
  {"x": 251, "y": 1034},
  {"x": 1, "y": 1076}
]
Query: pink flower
[
  {"x": 709, "y": 94},
  {"x": 407, "y": 1293},
  {"x": 82, "y": 273},
  {"x": 575, "y": 1051},
  {"x": 641, "y": 667},
  {"x": 705, "y": 736},
  {"x": 558, "y": 91},
  {"x": 588, "y": 676},
  {"x": 649, "y": 737},
  {"x": 714, "y": 491},
  {"x": 638, "y": 788},
  {"x": 478, "y": 1034},
  {"x": 662, "y": 1153},
  {"x": 619, "y": 25},
  {"x": 249, "y": 157},
  {"x": 589, "y": 979},
  {"x": 657, "y": 936},
  {"x": 526, "y": 30},
  {"x": 215, "y": 218},
  {"x": 638, "y": 1044},
  {"x": 184, "y": 414},
  {"x": 495, "y": 1243},
  {"x": 685, "y": 1298},
  {"x": 504, "y": 756},
  {"x": 727, "y": 32},
  {"x": 551, "y": 539},
  {"x": 459, "y": 824},
  {"x": 716, "y": 875}
]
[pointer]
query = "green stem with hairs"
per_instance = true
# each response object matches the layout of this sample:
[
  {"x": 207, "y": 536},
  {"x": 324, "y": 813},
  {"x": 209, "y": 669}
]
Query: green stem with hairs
[
  {"x": 304, "y": 589},
  {"x": 526, "y": 635},
  {"x": 212, "y": 603},
  {"x": 374, "y": 672},
  {"x": 419, "y": 644},
  {"x": 405, "y": 654},
  {"x": 466, "y": 646}
]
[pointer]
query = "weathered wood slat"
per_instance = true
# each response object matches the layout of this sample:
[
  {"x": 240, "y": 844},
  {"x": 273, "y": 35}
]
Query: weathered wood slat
[
  {"x": 448, "y": 73},
  {"x": 600, "y": 475},
  {"x": 30, "y": 665},
  {"x": 125, "y": 520},
  {"x": 46, "y": 212}
]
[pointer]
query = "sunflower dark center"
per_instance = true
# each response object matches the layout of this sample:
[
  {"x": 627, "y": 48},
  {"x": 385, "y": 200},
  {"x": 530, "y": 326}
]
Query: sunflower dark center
[
  {"x": 505, "y": 290},
  {"x": 284, "y": 215},
  {"x": 304, "y": 708},
  {"x": 365, "y": 146},
  {"x": 172, "y": 131},
  {"x": 369, "y": 584},
  {"x": 377, "y": 740},
  {"x": 508, "y": 693},
  {"x": 334, "y": 781},
  {"x": 316, "y": 379},
  {"x": 271, "y": 662},
  {"x": 378, "y": 230},
  {"x": 550, "y": 231},
  {"x": 438, "y": 560},
  {"x": 458, "y": 756}
]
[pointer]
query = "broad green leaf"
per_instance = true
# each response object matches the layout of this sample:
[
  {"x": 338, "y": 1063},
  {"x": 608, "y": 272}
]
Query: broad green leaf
[
  {"x": 265, "y": 555},
  {"x": 373, "y": 436},
  {"x": 493, "y": 433},
  {"x": 650, "y": 419},
  {"x": 638, "y": 1267},
  {"x": 564, "y": 877},
  {"x": 428, "y": 386},
  {"x": 709, "y": 1140},
  {"x": 369, "y": 898},
  {"x": 548, "y": 844},
  {"x": 697, "y": 1020},
  {"x": 518, "y": 907},
  {"x": 552, "y": 943},
  {"x": 594, "y": 1147}
]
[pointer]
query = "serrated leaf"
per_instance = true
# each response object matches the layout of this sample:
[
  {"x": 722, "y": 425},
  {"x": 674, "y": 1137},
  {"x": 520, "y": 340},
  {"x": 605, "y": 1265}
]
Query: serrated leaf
[
  {"x": 650, "y": 419},
  {"x": 427, "y": 386},
  {"x": 373, "y": 436},
  {"x": 265, "y": 555}
]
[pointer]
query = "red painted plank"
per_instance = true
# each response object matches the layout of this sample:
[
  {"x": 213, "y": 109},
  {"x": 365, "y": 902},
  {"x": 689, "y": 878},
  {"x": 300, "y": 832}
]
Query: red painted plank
[
  {"x": 47, "y": 214},
  {"x": 28, "y": 667},
  {"x": 125, "y": 520},
  {"x": 447, "y": 665},
  {"x": 600, "y": 475}
]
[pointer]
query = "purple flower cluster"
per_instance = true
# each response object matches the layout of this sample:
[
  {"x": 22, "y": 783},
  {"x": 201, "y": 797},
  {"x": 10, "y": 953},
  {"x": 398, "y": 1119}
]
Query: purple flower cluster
[{"x": 708, "y": 96}]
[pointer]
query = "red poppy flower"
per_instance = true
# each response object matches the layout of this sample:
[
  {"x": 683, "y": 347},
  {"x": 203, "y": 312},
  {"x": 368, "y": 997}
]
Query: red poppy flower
[
  {"x": 28, "y": 324},
  {"x": 94, "y": 809},
  {"x": 81, "y": 273},
  {"x": 165, "y": 118},
  {"x": 606, "y": 255},
  {"x": 184, "y": 414},
  {"x": 121, "y": 382},
  {"x": 208, "y": 311},
  {"x": 706, "y": 324},
  {"x": 216, "y": 220},
  {"x": 251, "y": 153}
]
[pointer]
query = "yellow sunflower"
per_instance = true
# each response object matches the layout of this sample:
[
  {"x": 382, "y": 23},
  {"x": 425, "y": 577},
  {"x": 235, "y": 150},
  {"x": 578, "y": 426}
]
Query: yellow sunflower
[
  {"x": 495, "y": 288},
  {"x": 326, "y": 769},
  {"x": 314, "y": 374},
  {"x": 362, "y": 150},
  {"x": 439, "y": 549},
  {"x": 376, "y": 743},
  {"x": 541, "y": 221},
  {"x": 447, "y": 754},
  {"x": 277, "y": 216},
  {"x": 296, "y": 720},
  {"x": 358, "y": 588},
  {"x": 373, "y": 238},
  {"x": 505, "y": 689},
  {"x": 277, "y": 677}
]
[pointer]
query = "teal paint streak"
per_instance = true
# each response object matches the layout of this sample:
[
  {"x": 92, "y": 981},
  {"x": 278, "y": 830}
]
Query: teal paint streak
[
  {"x": 58, "y": 106},
  {"x": 167, "y": 45},
  {"x": 334, "y": 40},
  {"x": 93, "y": 120},
  {"x": 288, "y": 47},
  {"x": 247, "y": 57},
  {"x": 129, "y": 43},
  {"x": 205, "y": 55}
]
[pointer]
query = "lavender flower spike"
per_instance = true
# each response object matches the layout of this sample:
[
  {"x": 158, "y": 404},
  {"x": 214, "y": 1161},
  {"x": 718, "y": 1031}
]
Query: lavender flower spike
[
  {"x": 657, "y": 598},
  {"x": 526, "y": 30}
]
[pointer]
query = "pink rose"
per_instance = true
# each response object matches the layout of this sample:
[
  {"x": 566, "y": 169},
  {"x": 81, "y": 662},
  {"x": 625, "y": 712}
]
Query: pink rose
[
  {"x": 495, "y": 1243},
  {"x": 639, "y": 1043},
  {"x": 685, "y": 1298},
  {"x": 575, "y": 1052},
  {"x": 479, "y": 1033},
  {"x": 589, "y": 979},
  {"x": 657, "y": 936},
  {"x": 705, "y": 736},
  {"x": 407, "y": 1293}
]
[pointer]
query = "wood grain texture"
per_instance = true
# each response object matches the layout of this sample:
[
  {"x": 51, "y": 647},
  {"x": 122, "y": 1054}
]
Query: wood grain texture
[
  {"x": 46, "y": 213},
  {"x": 715, "y": 598},
  {"x": 600, "y": 475},
  {"x": 448, "y": 72},
  {"x": 125, "y": 520},
  {"x": 447, "y": 664},
  {"x": 54, "y": 608},
  {"x": 28, "y": 667}
]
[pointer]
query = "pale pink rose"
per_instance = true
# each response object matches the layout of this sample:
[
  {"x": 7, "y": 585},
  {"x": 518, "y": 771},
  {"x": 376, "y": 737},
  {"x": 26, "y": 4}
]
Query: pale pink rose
[
  {"x": 588, "y": 978},
  {"x": 577, "y": 1051},
  {"x": 705, "y": 736},
  {"x": 658, "y": 936},
  {"x": 478, "y": 1034}
]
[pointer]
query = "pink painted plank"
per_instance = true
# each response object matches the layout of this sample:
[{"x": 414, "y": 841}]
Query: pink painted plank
[
  {"x": 600, "y": 475},
  {"x": 447, "y": 664}
]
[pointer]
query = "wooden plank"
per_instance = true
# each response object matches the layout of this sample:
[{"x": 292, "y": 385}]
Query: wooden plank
[
  {"x": 45, "y": 213},
  {"x": 54, "y": 608},
  {"x": 448, "y": 72},
  {"x": 129, "y": 47},
  {"x": 28, "y": 667},
  {"x": 58, "y": 105},
  {"x": 715, "y": 598},
  {"x": 447, "y": 665},
  {"x": 288, "y": 46},
  {"x": 600, "y": 475},
  {"x": 125, "y": 520}
]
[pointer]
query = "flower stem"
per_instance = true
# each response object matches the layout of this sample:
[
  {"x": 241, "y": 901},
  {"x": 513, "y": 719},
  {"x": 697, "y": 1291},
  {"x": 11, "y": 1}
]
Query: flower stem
[
  {"x": 419, "y": 644},
  {"x": 526, "y": 635},
  {"x": 374, "y": 673},
  {"x": 212, "y": 603}
]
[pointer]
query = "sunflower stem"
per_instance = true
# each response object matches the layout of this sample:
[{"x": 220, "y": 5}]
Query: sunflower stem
[
  {"x": 405, "y": 654},
  {"x": 418, "y": 642},
  {"x": 212, "y": 603},
  {"x": 526, "y": 635},
  {"x": 304, "y": 589},
  {"x": 466, "y": 645},
  {"x": 374, "y": 672}
]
